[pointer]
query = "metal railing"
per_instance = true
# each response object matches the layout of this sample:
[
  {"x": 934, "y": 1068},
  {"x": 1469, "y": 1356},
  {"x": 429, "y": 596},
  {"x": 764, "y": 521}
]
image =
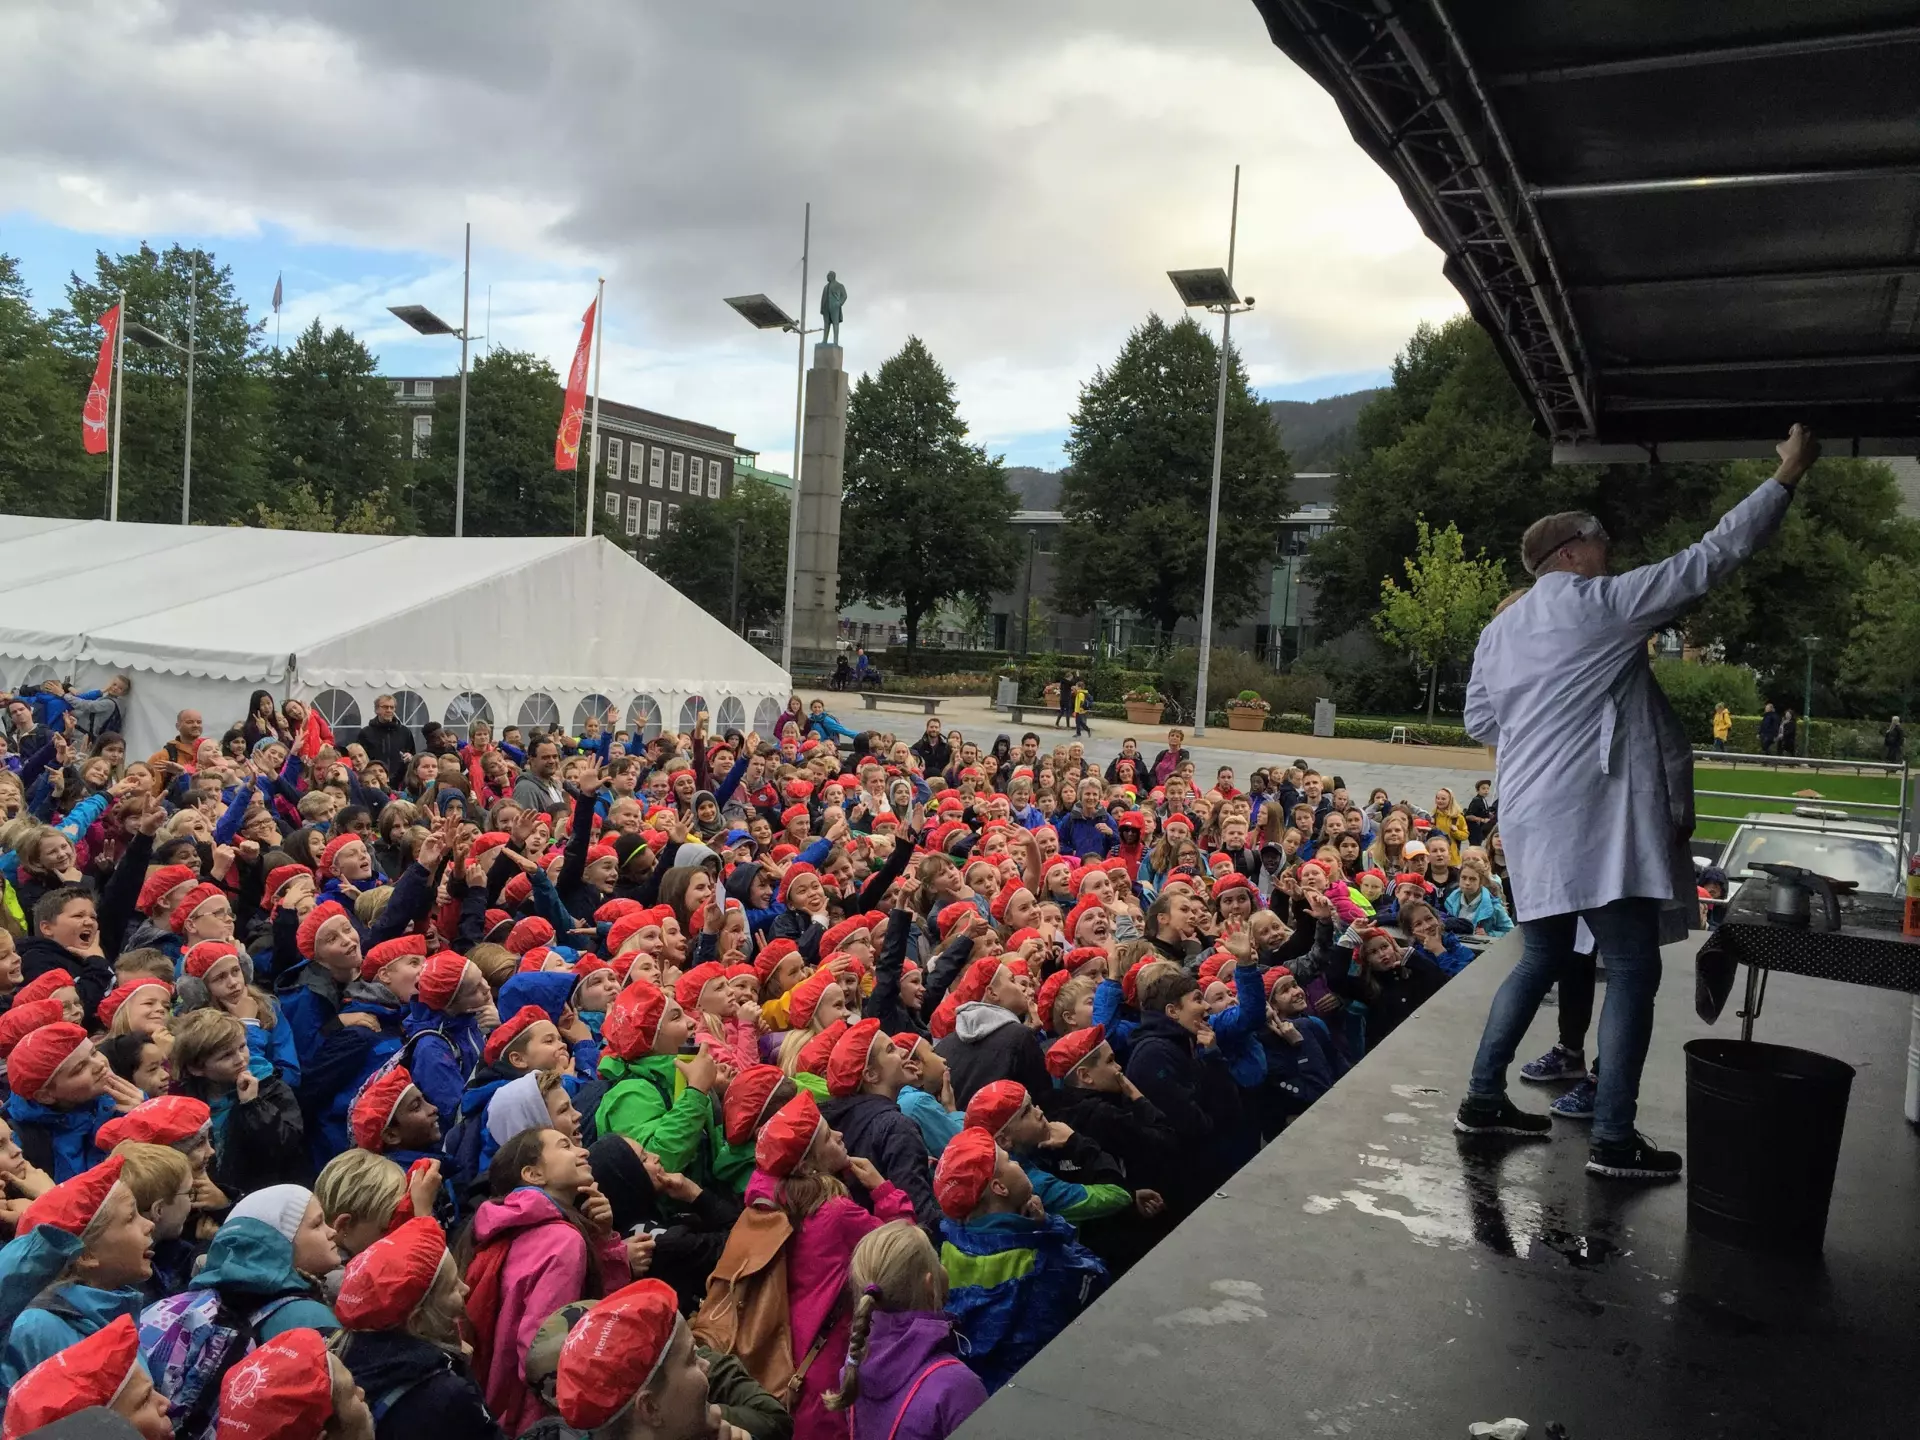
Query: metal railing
[{"x": 1899, "y": 812}]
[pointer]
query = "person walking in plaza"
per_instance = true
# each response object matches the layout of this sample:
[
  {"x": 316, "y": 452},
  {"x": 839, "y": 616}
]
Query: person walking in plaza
[
  {"x": 1895, "y": 740},
  {"x": 1789, "y": 733},
  {"x": 1722, "y": 726},
  {"x": 1769, "y": 729},
  {"x": 1563, "y": 690}
]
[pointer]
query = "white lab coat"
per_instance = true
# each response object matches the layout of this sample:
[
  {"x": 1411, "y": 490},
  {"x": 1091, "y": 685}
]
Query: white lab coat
[{"x": 1595, "y": 771}]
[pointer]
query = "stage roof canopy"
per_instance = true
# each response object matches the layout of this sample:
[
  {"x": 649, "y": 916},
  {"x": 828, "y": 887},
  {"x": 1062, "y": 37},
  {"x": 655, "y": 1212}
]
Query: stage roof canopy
[{"x": 1685, "y": 226}]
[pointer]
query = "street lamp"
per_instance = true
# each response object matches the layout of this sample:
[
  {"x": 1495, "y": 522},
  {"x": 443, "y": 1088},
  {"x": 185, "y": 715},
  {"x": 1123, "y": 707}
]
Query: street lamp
[
  {"x": 428, "y": 323},
  {"x": 761, "y": 313},
  {"x": 1812, "y": 642},
  {"x": 1213, "y": 290},
  {"x": 145, "y": 335}
]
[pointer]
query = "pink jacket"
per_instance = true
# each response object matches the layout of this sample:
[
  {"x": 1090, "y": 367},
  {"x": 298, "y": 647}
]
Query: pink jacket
[
  {"x": 817, "y": 1261},
  {"x": 736, "y": 1042},
  {"x": 1343, "y": 906},
  {"x": 546, "y": 1267}
]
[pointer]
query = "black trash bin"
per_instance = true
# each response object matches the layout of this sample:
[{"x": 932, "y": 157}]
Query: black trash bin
[{"x": 1763, "y": 1141}]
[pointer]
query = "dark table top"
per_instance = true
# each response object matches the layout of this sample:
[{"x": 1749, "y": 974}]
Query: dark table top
[{"x": 1868, "y": 949}]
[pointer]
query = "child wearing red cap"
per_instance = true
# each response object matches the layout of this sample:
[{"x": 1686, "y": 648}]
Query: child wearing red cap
[
  {"x": 655, "y": 1096},
  {"x": 1302, "y": 1059},
  {"x": 991, "y": 1039},
  {"x": 292, "y": 1388},
  {"x": 865, "y": 1075},
  {"x": 219, "y": 973},
  {"x": 62, "y": 1093}
]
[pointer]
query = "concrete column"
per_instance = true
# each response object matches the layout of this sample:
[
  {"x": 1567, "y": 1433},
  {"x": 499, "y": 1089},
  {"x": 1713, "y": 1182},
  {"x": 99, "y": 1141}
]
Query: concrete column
[{"x": 823, "y": 452}]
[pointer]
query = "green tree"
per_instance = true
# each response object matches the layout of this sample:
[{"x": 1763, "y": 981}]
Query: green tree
[
  {"x": 302, "y": 509},
  {"x": 1447, "y": 602},
  {"x": 43, "y": 470},
  {"x": 695, "y": 556},
  {"x": 1882, "y": 656},
  {"x": 229, "y": 389},
  {"x": 331, "y": 422},
  {"x": 513, "y": 410},
  {"x": 926, "y": 516},
  {"x": 1140, "y": 469}
]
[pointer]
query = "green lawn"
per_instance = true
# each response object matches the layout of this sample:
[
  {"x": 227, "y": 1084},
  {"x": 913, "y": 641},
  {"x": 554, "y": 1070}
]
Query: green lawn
[{"x": 1758, "y": 782}]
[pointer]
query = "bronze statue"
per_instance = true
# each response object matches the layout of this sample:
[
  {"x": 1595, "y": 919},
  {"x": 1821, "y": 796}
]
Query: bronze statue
[{"x": 833, "y": 299}]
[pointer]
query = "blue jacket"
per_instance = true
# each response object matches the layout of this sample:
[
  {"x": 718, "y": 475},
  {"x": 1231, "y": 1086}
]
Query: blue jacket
[
  {"x": 345, "y": 1057},
  {"x": 251, "y": 1259},
  {"x": 938, "y": 1125},
  {"x": 1453, "y": 957},
  {"x": 1298, "y": 1075},
  {"x": 447, "y": 1049},
  {"x": 69, "y": 1133},
  {"x": 1014, "y": 1284},
  {"x": 1109, "y": 996},
  {"x": 1237, "y": 1029},
  {"x": 277, "y": 1046},
  {"x": 1081, "y": 834},
  {"x": 551, "y": 991},
  {"x": 27, "y": 1266},
  {"x": 1486, "y": 913}
]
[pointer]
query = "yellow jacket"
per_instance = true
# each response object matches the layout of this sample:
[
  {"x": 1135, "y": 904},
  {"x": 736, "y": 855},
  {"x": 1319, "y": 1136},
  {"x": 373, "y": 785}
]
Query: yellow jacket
[{"x": 1722, "y": 723}]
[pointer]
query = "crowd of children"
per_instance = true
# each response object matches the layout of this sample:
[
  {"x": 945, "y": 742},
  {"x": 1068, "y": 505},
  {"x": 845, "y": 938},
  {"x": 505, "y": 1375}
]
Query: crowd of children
[{"x": 708, "y": 1087}]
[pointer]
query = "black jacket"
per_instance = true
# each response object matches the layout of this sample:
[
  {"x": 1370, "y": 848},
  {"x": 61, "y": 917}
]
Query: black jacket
[
  {"x": 876, "y": 1129},
  {"x": 1133, "y": 1132},
  {"x": 990, "y": 1044},
  {"x": 417, "y": 1389},
  {"x": 1197, "y": 1096},
  {"x": 1390, "y": 997},
  {"x": 389, "y": 743},
  {"x": 264, "y": 1142},
  {"x": 888, "y": 961}
]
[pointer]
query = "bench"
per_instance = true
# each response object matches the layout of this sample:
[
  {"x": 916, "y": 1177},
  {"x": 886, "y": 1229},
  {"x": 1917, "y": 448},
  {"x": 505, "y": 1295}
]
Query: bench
[
  {"x": 1017, "y": 714},
  {"x": 925, "y": 704}
]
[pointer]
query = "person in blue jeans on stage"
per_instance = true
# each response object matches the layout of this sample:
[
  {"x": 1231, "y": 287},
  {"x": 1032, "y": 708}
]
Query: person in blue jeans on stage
[{"x": 1562, "y": 688}]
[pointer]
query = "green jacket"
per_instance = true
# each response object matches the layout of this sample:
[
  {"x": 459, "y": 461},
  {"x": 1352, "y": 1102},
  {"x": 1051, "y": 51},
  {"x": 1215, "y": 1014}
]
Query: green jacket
[{"x": 649, "y": 1100}]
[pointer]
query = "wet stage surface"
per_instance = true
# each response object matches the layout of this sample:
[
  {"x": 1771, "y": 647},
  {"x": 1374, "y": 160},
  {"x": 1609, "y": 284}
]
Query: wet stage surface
[{"x": 1372, "y": 1275}]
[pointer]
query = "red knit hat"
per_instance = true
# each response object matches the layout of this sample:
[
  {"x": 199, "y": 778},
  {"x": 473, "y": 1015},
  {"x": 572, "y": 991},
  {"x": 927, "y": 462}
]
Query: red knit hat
[
  {"x": 278, "y": 879},
  {"x": 847, "y": 1065},
  {"x": 309, "y": 931},
  {"x": 992, "y": 1106},
  {"x": 72, "y": 1204},
  {"x": 386, "y": 1281},
  {"x": 532, "y": 931},
  {"x": 1050, "y": 992},
  {"x": 195, "y": 898},
  {"x": 788, "y": 1135},
  {"x": 746, "y": 1100},
  {"x": 633, "y": 1020},
  {"x": 205, "y": 954},
  {"x": 111, "y": 1002},
  {"x": 388, "y": 951},
  {"x": 965, "y": 1170},
  {"x": 159, "y": 883},
  {"x": 440, "y": 979},
  {"x": 31, "y": 1067},
  {"x": 807, "y": 995},
  {"x": 42, "y": 986},
  {"x": 817, "y": 1053},
  {"x": 22, "y": 1020},
  {"x": 90, "y": 1372},
  {"x": 282, "y": 1390},
  {"x": 1071, "y": 1049},
  {"x": 374, "y": 1107},
  {"x": 510, "y": 1030},
  {"x": 614, "y": 1353},
  {"x": 688, "y": 987},
  {"x": 331, "y": 852},
  {"x": 163, "y": 1120}
]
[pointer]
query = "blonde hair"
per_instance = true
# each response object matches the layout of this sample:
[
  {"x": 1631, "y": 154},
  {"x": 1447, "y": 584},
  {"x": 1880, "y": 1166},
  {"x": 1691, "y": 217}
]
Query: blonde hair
[
  {"x": 122, "y": 1022},
  {"x": 360, "y": 1184},
  {"x": 893, "y": 1269},
  {"x": 143, "y": 964},
  {"x": 369, "y": 904},
  {"x": 201, "y": 1034},
  {"x": 1071, "y": 994},
  {"x": 436, "y": 1319},
  {"x": 183, "y": 822},
  {"x": 1127, "y": 952},
  {"x": 154, "y": 1173}
]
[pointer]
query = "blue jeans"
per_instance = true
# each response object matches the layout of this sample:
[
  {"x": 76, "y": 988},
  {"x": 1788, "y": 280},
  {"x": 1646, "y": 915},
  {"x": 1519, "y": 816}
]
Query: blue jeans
[{"x": 1627, "y": 933}]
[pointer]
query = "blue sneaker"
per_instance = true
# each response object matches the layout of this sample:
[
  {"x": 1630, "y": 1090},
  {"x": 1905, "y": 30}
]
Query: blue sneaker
[
  {"x": 1559, "y": 1063},
  {"x": 1577, "y": 1103}
]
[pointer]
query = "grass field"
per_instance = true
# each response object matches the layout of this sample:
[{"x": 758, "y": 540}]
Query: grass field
[{"x": 1762, "y": 783}]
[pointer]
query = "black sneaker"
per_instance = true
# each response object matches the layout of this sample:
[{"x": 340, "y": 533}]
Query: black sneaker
[
  {"x": 1635, "y": 1159},
  {"x": 1499, "y": 1116}
]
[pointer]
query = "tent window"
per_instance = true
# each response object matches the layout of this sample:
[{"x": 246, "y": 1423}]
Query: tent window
[
  {"x": 342, "y": 712},
  {"x": 538, "y": 712},
  {"x": 36, "y": 677},
  {"x": 643, "y": 719},
  {"x": 594, "y": 707},
  {"x": 690, "y": 712},
  {"x": 765, "y": 714},
  {"x": 463, "y": 710},
  {"x": 732, "y": 715},
  {"x": 411, "y": 711}
]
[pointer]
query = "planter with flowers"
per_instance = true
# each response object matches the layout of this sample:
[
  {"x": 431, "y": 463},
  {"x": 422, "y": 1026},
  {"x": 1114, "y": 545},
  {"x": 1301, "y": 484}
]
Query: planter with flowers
[
  {"x": 1247, "y": 711},
  {"x": 1144, "y": 707}
]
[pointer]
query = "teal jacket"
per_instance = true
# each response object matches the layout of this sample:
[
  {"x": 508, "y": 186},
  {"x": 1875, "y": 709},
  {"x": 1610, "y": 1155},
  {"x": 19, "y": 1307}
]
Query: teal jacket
[
  {"x": 35, "y": 1332},
  {"x": 250, "y": 1263}
]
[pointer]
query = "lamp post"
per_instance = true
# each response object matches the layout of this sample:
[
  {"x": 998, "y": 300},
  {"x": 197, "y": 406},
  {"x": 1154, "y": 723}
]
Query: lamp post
[
  {"x": 145, "y": 335},
  {"x": 1213, "y": 290},
  {"x": 427, "y": 323},
  {"x": 761, "y": 313},
  {"x": 1812, "y": 642}
]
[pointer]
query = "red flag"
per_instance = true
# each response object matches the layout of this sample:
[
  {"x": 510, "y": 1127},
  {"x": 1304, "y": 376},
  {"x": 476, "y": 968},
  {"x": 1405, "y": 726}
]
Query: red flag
[
  {"x": 93, "y": 419},
  {"x": 566, "y": 446}
]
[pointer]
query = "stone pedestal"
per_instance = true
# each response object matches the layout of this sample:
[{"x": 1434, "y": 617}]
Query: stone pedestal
[{"x": 823, "y": 450}]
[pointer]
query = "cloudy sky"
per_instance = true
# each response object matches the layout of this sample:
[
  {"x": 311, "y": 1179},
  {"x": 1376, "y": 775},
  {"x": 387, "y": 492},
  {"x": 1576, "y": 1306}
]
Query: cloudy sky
[{"x": 1009, "y": 180}]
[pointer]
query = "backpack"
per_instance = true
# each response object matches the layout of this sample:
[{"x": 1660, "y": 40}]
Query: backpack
[
  {"x": 746, "y": 1310},
  {"x": 189, "y": 1342}
]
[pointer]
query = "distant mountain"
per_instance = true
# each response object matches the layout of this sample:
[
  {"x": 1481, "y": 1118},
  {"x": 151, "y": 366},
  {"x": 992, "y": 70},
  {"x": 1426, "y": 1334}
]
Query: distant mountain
[
  {"x": 1318, "y": 432},
  {"x": 1034, "y": 489}
]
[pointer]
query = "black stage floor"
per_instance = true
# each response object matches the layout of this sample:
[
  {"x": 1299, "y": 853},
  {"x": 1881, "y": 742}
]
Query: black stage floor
[{"x": 1372, "y": 1276}]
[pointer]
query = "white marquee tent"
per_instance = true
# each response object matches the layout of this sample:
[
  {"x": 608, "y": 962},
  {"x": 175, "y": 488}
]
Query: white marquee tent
[{"x": 516, "y": 631}]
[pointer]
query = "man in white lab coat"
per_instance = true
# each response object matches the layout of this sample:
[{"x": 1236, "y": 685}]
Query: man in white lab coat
[{"x": 1596, "y": 793}]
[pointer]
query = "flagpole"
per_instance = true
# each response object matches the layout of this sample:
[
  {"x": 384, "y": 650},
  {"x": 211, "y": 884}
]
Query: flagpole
[
  {"x": 119, "y": 407},
  {"x": 593, "y": 432}
]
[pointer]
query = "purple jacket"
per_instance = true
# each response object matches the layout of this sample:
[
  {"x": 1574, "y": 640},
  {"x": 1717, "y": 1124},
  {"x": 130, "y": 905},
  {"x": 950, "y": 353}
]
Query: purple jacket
[{"x": 900, "y": 1350}]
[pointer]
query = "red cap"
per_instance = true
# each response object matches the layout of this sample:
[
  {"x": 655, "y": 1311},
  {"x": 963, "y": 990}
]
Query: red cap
[
  {"x": 111, "y": 1002},
  {"x": 205, "y": 954},
  {"x": 517, "y": 891},
  {"x": 633, "y": 1020},
  {"x": 627, "y": 926},
  {"x": 388, "y": 951},
  {"x": 1022, "y": 936},
  {"x": 1235, "y": 881},
  {"x": 965, "y": 1170},
  {"x": 498, "y": 923},
  {"x": 282, "y": 1390},
  {"x": 34, "y": 1060},
  {"x": 746, "y": 1100},
  {"x": 42, "y": 986},
  {"x": 440, "y": 979},
  {"x": 510, "y": 1030},
  {"x": 1130, "y": 982},
  {"x": 533, "y": 962},
  {"x": 1408, "y": 878},
  {"x": 786, "y": 1138},
  {"x": 794, "y": 872},
  {"x": 1050, "y": 992},
  {"x": 1274, "y": 976},
  {"x": 158, "y": 882},
  {"x": 905, "y": 1041},
  {"x": 1083, "y": 955},
  {"x": 90, "y": 1372},
  {"x": 613, "y": 1353},
  {"x": 838, "y": 935},
  {"x": 528, "y": 933},
  {"x": 1079, "y": 913},
  {"x": 163, "y": 1120},
  {"x": 847, "y": 1065},
  {"x": 770, "y": 956},
  {"x": 976, "y": 978},
  {"x": 388, "y": 1279},
  {"x": 992, "y": 1106},
  {"x": 72, "y": 1204},
  {"x": 998, "y": 905},
  {"x": 331, "y": 852},
  {"x": 1070, "y": 1049},
  {"x": 309, "y": 931},
  {"x": 202, "y": 894},
  {"x": 817, "y": 1053},
  {"x": 23, "y": 1020},
  {"x": 373, "y": 1110},
  {"x": 278, "y": 879},
  {"x": 951, "y": 915},
  {"x": 792, "y": 813},
  {"x": 688, "y": 987},
  {"x": 807, "y": 996},
  {"x": 613, "y": 909}
]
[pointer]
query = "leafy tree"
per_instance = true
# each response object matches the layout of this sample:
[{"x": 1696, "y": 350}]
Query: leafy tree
[
  {"x": 1447, "y": 602},
  {"x": 513, "y": 408},
  {"x": 695, "y": 556},
  {"x": 926, "y": 517},
  {"x": 43, "y": 470},
  {"x": 331, "y": 423},
  {"x": 229, "y": 392},
  {"x": 1140, "y": 471},
  {"x": 1882, "y": 656},
  {"x": 301, "y": 509}
]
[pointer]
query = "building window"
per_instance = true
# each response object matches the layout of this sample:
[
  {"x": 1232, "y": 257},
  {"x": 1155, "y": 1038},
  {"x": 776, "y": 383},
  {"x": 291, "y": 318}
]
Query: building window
[
  {"x": 636, "y": 461},
  {"x": 696, "y": 474},
  {"x": 653, "y": 519},
  {"x": 673, "y": 516},
  {"x": 679, "y": 471},
  {"x": 656, "y": 465},
  {"x": 713, "y": 479},
  {"x": 423, "y": 387},
  {"x": 613, "y": 503},
  {"x": 399, "y": 387},
  {"x": 422, "y": 434},
  {"x": 633, "y": 516},
  {"x": 613, "y": 457}
]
